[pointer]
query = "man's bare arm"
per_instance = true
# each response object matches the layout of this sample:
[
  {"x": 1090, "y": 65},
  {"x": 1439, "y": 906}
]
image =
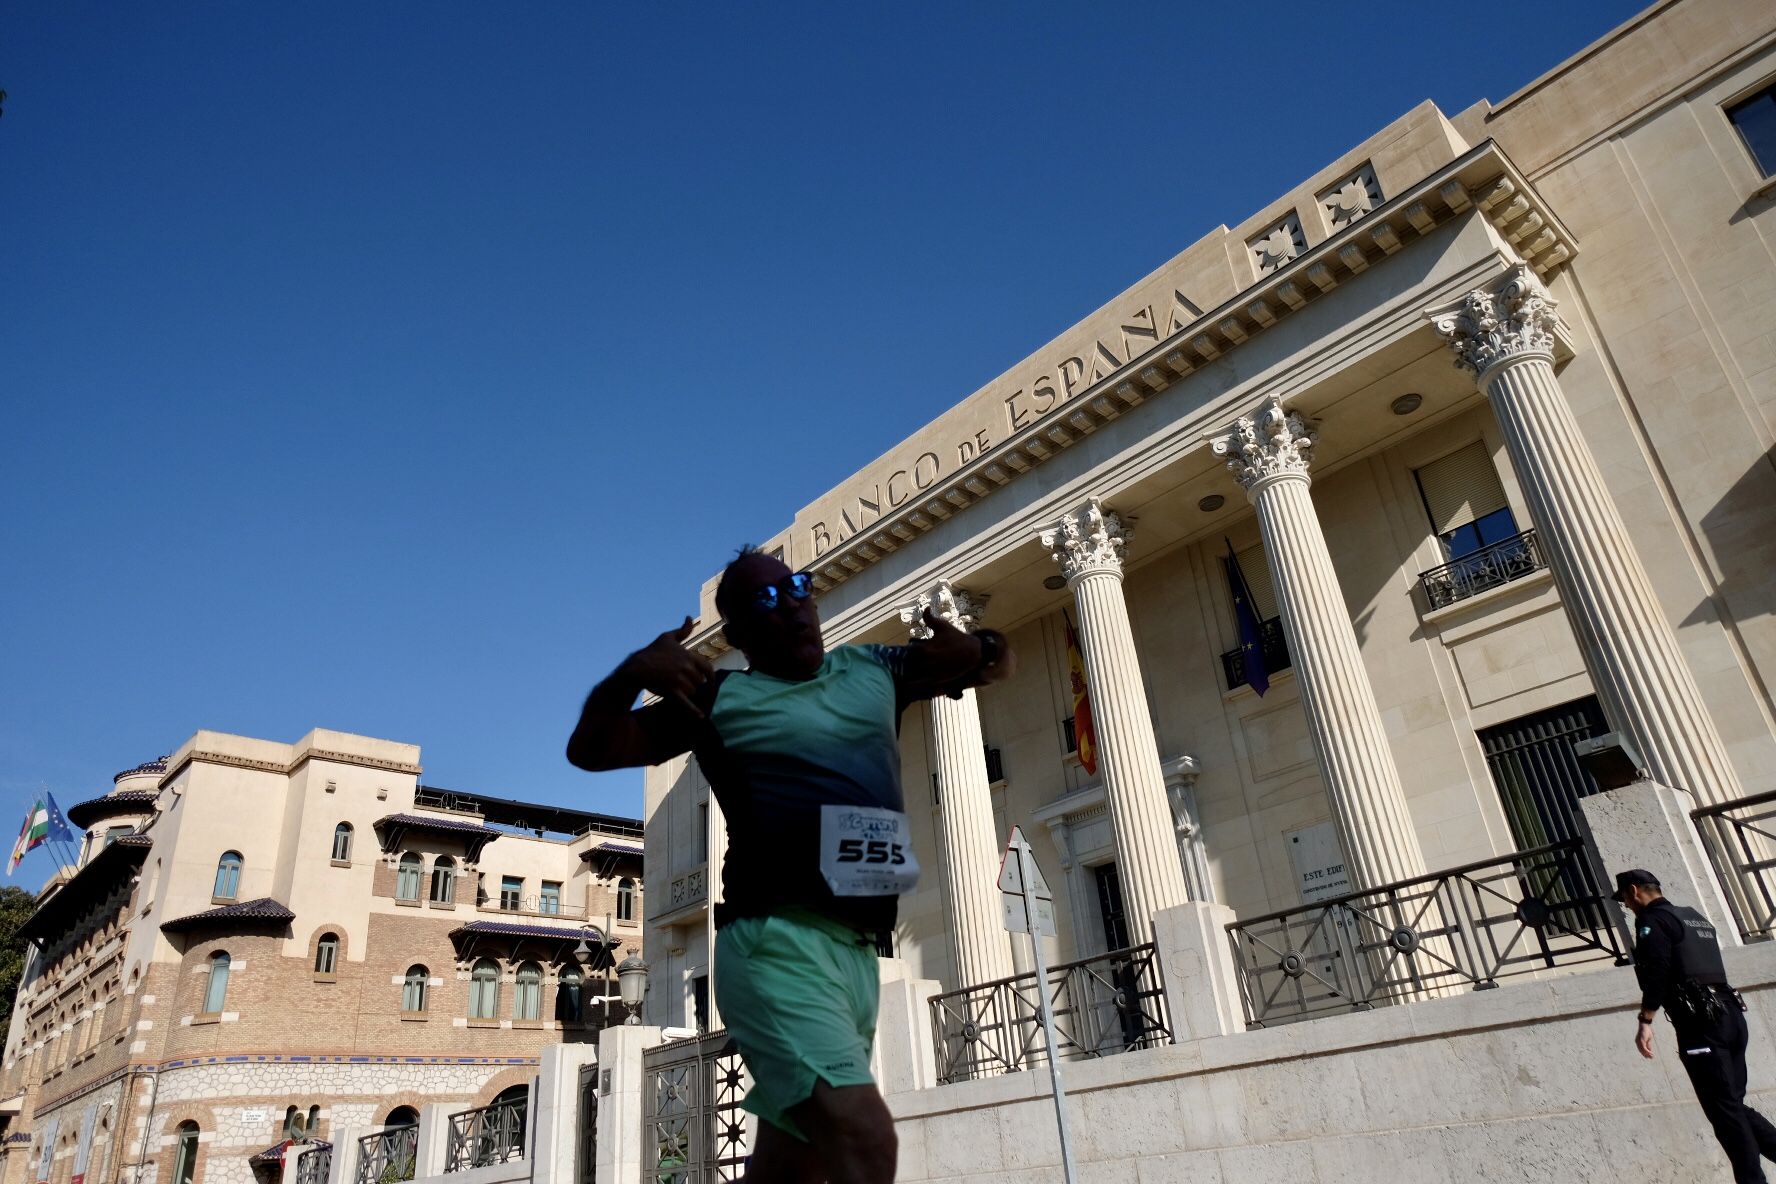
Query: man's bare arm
[
  {"x": 613, "y": 734},
  {"x": 950, "y": 661}
]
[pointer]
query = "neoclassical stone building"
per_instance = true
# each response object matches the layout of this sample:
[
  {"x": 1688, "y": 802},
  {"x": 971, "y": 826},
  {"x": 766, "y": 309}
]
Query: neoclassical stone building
[
  {"x": 1483, "y": 411},
  {"x": 265, "y": 940}
]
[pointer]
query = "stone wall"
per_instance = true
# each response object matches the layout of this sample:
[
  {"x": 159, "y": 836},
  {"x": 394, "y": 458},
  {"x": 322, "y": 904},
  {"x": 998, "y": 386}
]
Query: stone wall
[{"x": 1536, "y": 1081}]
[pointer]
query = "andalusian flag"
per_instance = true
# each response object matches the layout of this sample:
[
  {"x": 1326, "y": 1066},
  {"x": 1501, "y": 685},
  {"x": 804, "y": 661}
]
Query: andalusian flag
[
  {"x": 33, "y": 834},
  {"x": 1085, "y": 737}
]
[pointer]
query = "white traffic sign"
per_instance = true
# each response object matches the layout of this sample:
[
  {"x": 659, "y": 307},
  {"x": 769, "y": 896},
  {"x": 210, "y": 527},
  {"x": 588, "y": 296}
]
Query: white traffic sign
[
  {"x": 1008, "y": 868},
  {"x": 1027, "y": 896}
]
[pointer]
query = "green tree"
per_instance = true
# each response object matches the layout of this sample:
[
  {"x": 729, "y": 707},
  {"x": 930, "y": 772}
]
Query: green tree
[{"x": 16, "y": 906}]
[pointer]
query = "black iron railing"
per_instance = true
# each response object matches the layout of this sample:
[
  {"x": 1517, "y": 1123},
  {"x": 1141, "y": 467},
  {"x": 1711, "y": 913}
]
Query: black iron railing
[
  {"x": 486, "y": 1135},
  {"x": 693, "y": 1130},
  {"x": 1112, "y": 1003},
  {"x": 313, "y": 1165},
  {"x": 1462, "y": 929},
  {"x": 1741, "y": 839},
  {"x": 1272, "y": 645},
  {"x": 1489, "y": 567},
  {"x": 387, "y": 1156}
]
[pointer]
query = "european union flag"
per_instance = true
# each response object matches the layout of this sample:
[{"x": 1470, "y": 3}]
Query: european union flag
[
  {"x": 58, "y": 823},
  {"x": 1251, "y": 634}
]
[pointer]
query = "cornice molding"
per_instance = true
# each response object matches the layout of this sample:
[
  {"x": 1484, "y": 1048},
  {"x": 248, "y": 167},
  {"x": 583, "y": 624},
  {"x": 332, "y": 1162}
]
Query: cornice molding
[{"x": 1508, "y": 201}]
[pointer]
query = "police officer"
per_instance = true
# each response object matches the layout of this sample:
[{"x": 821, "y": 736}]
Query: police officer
[{"x": 1678, "y": 962}]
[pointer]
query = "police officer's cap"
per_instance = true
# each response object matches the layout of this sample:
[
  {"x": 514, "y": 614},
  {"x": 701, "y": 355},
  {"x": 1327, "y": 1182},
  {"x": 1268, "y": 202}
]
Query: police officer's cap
[{"x": 1628, "y": 879}]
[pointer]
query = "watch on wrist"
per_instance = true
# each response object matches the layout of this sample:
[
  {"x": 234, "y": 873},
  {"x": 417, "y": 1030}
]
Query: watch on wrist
[
  {"x": 989, "y": 647},
  {"x": 1643, "y": 1017}
]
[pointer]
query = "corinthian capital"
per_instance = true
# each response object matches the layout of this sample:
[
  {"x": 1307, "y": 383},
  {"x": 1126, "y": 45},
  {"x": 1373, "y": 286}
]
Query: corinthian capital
[
  {"x": 1488, "y": 326},
  {"x": 958, "y": 606},
  {"x": 1272, "y": 443},
  {"x": 1087, "y": 540}
]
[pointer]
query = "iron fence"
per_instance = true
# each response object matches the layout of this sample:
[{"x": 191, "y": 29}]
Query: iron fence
[
  {"x": 1489, "y": 567},
  {"x": 693, "y": 1130},
  {"x": 486, "y": 1135},
  {"x": 1741, "y": 839},
  {"x": 1112, "y": 1003},
  {"x": 387, "y": 1156},
  {"x": 1465, "y": 928},
  {"x": 313, "y": 1165}
]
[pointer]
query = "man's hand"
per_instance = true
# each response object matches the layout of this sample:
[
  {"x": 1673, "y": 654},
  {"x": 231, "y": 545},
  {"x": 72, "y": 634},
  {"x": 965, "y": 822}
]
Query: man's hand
[
  {"x": 1643, "y": 1037},
  {"x": 950, "y": 661},
  {"x": 667, "y": 669}
]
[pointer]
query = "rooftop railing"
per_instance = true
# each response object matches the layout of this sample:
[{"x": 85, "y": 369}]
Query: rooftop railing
[
  {"x": 1465, "y": 928},
  {"x": 486, "y": 1135},
  {"x": 1108, "y": 1004},
  {"x": 1489, "y": 567}
]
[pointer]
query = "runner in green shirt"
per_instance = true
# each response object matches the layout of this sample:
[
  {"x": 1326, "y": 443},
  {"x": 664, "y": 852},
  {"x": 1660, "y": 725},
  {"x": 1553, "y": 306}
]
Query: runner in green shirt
[{"x": 801, "y": 751}]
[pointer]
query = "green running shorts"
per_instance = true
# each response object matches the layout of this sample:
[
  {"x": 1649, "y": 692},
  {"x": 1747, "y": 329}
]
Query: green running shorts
[{"x": 798, "y": 993}]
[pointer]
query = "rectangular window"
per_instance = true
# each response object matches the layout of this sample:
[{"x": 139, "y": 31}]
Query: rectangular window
[
  {"x": 702, "y": 832},
  {"x": 1754, "y": 119},
  {"x": 1465, "y": 501},
  {"x": 1256, "y": 570},
  {"x": 551, "y": 901},
  {"x": 700, "y": 1002},
  {"x": 113, "y": 833},
  {"x": 511, "y": 893}
]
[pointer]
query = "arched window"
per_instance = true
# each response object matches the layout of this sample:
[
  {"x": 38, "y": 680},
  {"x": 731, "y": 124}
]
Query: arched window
[
  {"x": 529, "y": 1005},
  {"x": 185, "y": 1159},
  {"x": 570, "y": 999},
  {"x": 228, "y": 870},
  {"x": 342, "y": 842},
  {"x": 408, "y": 876},
  {"x": 444, "y": 879},
  {"x": 402, "y": 1116},
  {"x": 293, "y": 1124},
  {"x": 484, "y": 990},
  {"x": 413, "y": 989},
  {"x": 327, "y": 954},
  {"x": 216, "y": 986},
  {"x": 626, "y": 899},
  {"x": 314, "y": 1120}
]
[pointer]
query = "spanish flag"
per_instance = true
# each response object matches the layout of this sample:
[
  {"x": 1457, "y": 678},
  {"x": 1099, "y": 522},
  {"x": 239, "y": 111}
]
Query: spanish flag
[{"x": 1085, "y": 738}]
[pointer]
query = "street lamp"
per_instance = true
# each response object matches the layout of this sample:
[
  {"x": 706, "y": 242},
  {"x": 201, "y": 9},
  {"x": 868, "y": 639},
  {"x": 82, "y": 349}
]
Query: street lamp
[{"x": 632, "y": 982}]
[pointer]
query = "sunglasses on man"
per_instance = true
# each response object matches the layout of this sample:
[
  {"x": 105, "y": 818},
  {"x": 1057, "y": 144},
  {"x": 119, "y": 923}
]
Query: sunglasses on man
[{"x": 799, "y": 586}]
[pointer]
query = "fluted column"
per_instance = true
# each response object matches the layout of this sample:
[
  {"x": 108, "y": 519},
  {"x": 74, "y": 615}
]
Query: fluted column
[
  {"x": 1089, "y": 544},
  {"x": 1505, "y": 337},
  {"x": 979, "y": 944},
  {"x": 1268, "y": 454}
]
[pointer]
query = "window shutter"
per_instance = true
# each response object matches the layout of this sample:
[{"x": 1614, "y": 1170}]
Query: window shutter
[
  {"x": 1256, "y": 569},
  {"x": 1462, "y": 487}
]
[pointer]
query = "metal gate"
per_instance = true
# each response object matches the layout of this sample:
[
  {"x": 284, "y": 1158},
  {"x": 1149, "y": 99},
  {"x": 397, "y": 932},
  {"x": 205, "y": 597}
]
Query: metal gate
[
  {"x": 1539, "y": 779},
  {"x": 587, "y": 1154},
  {"x": 693, "y": 1130}
]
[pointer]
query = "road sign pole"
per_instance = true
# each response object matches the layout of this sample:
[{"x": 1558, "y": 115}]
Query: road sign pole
[{"x": 1026, "y": 877}]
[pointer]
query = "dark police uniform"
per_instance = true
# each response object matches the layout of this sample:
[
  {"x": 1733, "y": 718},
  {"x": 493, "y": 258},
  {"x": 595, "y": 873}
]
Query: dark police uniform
[{"x": 1678, "y": 962}]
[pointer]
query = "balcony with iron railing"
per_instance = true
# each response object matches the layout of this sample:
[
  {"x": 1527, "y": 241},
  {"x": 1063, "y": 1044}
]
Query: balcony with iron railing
[
  {"x": 1460, "y": 929},
  {"x": 1102, "y": 1005},
  {"x": 487, "y": 1135},
  {"x": 313, "y": 1165},
  {"x": 1272, "y": 645},
  {"x": 387, "y": 1157},
  {"x": 1490, "y": 567},
  {"x": 1740, "y": 837}
]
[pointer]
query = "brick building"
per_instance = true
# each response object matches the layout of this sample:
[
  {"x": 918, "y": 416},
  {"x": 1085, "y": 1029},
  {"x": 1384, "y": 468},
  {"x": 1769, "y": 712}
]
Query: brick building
[{"x": 265, "y": 940}]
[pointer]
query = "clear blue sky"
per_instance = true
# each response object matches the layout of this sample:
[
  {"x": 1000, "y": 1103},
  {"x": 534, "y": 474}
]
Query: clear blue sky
[{"x": 396, "y": 368}]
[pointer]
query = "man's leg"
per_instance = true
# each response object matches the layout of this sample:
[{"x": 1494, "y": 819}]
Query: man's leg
[
  {"x": 852, "y": 1132},
  {"x": 778, "y": 1157},
  {"x": 1708, "y": 1058},
  {"x": 1762, "y": 1132}
]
